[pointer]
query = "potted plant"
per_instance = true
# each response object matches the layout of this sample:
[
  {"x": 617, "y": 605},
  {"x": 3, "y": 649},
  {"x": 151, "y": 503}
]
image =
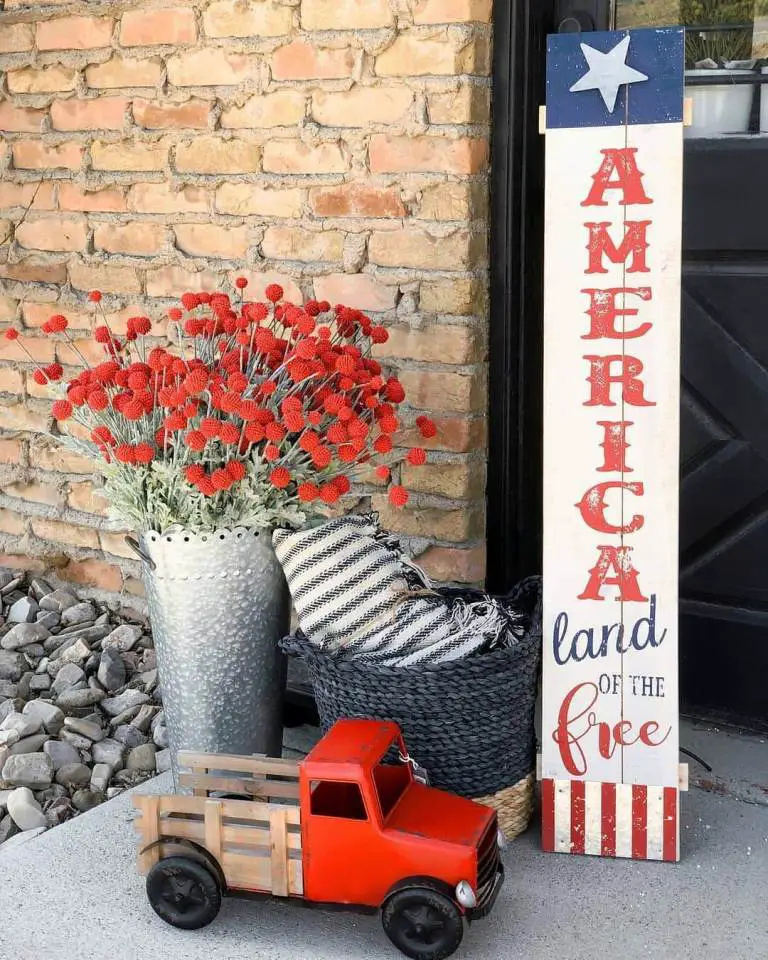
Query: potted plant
[
  {"x": 719, "y": 72},
  {"x": 254, "y": 417}
]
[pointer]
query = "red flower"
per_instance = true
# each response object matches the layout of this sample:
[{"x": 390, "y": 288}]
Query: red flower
[
  {"x": 342, "y": 484},
  {"x": 98, "y": 400},
  {"x": 229, "y": 433},
  {"x": 190, "y": 301},
  {"x": 210, "y": 426},
  {"x": 393, "y": 390},
  {"x": 254, "y": 432},
  {"x": 388, "y": 424},
  {"x": 321, "y": 457},
  {"x": 379, "y": 335},
  {"x": 309, "y": 440},
  {"x": 56, "y": 324},
  {"x": 175, "y": 314},
  {"x": 274, "y": 431},
  {"x": 195, "y": 440},
  {"x": 194, "y": 473},
  {"x": 347, "y": 453},
  {"x": 426, "y": 427},
  {"x": 248, "y": 409},
  {"x": 382, "y": 444},
  {"x": 103, "y": 435},
  {"x": 205, "y": 486},
  {"x": 221, "y": 480},
  {"x": 11, "y": 334},
  {"x": 95, "y": 296},
  {"x": 417, "y": 457},
  {"x": 236, "y": 469},
  {"x": 268, "y": 388},
  {"x": 398, "y": 496},
  {"x": 383, "y": 473},
  {"x": 125, "y": 453},
  {"x": 40, "y": 376},
  {"x": 337, "y": 433},
  {"x": 280, "y": 478},
  {"x": 133, "y": 409},
  {"x": 175, "y": 421},
  {"x": 138, "y": 380},
  {"x": 241, "y": 283},
  {"x": 144, "y": 453},
  {"x": 294, "y": 422},
  {"x": 274, "y": 292},
  {"x": 102, "y": 335},
  {"x": 77, "y": 394},
  {"x": 329, "y": 492},
  {"x": 346, "y": 365},
  {"x": 62, "y": 409},
  {"x": 141, "y": 325},
  {"x": 54, "y": 371},
  {"x": 271, "y": 452},
  {"x": 315, "y": 417}
]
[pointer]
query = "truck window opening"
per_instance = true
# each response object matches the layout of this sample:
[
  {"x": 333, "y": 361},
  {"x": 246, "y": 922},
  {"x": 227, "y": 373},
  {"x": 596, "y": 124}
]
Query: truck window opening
[
  {"x": 330, "y": 798},
  {"x": 390, "y": 781}
]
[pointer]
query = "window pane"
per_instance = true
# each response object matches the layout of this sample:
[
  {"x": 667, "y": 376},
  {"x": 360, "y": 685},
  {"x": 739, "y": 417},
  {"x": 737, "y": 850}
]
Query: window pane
[
  {"x": 329, "y": 798},
  {"x": 647, "y": 13},
  {"x": 390, "y": 781}
]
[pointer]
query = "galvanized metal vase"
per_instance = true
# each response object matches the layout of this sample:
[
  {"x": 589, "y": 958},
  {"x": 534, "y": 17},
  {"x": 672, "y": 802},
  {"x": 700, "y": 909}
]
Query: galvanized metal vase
[{"x": 219, "y": 604}]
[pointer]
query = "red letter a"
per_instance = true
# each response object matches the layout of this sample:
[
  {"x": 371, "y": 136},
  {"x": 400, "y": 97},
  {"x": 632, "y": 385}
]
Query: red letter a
[
  {"x": 624, "y": 576},
  {"x": 628, "y": 179}
]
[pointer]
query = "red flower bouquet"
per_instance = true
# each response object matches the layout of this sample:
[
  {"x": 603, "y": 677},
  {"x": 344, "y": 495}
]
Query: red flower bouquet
[{"x": 260, "y": 414}]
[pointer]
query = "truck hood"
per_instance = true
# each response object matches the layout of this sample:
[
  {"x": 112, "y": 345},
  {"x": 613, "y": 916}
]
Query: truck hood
[{"x": 436, "y": 815}]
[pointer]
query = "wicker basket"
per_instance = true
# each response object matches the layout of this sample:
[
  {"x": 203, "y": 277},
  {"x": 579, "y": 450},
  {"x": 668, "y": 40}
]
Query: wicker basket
[{"x": 469, "y": 722}]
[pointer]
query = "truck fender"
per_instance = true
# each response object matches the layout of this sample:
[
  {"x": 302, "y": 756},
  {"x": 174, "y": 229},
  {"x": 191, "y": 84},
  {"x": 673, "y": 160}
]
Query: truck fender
[
  {"x": 189, "y": 848},
  {"x": 431, "y": 883}
]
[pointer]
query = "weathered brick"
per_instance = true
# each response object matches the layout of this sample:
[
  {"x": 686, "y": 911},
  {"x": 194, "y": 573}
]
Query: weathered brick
[
  {"x": 76, "y": 351},
  {"x": 47, "y": 455},
  {"x": 118, "y": 319},
  {"x": 36, "y": 155},
  {"x": 16, "y": 37},
  {"x": 11, "y": 380},
  {"x": 459, "y": 481},
  {"x": 449, "y": 564},
  {"x": 40, "y": 349},
  {"x": 141, "y": 239},
  {"x": 244, "y": 199},
  {"x": 8, "y": 309},
  {"x": 36, "y": 314},
  {"x": 452, "y": 525},
  {"x": 293, "y": 243},
  {"x": 462, "y": 296},
  {"x": 192, "y": 114},
  {"x": 283, "y": 108},
  {"x": 438, "y": 343},
  {"x": 13, "y": 523},
  {"x": 463, "y": 200},
  {"x": 427, "y": 154},
  {"x": 11, "y": 450},
  {"x": 411, "y": 247},
  {"x": 124, "y": 72},
  {"x": 35, "y": 196},
  {"x": 356, "y": 200},
  {"x": 411, "y": 55},
  {"x": 357, "y": 290},
  {"x": 241, "y": 18},
  {"x": 452, "y": 11},
  {"x": 20, "y": 119},
  {"x": 21, "y": 561},
  {"x": 441, "y": 390},
  {"x": 210, "y": 240},
  {"x": 293, "y": 156},
  {"x": 74, "y": 33},
  {"x": 471, "y": 103},
  {"x": 20, "y": 417},
  {"x": 304, "y": 61},
  {"x": 102, "y": 113},
  {"x": 104, "y": 277},
  {"x": 77, "y": 536},
  {"x": 133, "y": 586},
  {"x": 211, "y": 155},
  {"x": 258, "y": 283},
  {"x": 106, "y": 200},
  {"x": 84, "y": 496},
  {"x": 361, "y": 106},
  {"x": 32, "y": 270},
  {"x": 346, "y": 14},
  {"x": 174, "y": 281},
  {"x": 94, "y": 573},
  {"x": 212, "y": 67},
  {"x": 36, "y": 492},
  {"x": 115, "y": 544},
  {"x": 163, "y": 198},
  {"x": 144, "y": 28},
  {"x": 128, "y": 155},
  {"x": 53, "y": 233},
  {"x": 53, "y": 79}
]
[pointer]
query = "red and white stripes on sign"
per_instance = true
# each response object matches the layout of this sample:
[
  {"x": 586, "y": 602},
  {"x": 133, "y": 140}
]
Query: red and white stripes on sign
[{"x": 610, "y": 819}]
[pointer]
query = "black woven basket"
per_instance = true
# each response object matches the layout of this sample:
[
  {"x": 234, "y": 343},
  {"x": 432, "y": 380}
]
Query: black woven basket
[{"x": 469, "y": 722}]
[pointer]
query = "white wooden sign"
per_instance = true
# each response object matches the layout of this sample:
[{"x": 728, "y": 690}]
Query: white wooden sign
[{"x": 614, "y": 151}]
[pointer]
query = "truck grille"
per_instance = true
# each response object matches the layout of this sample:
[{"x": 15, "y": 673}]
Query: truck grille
[{"x": 487, "y": 863}]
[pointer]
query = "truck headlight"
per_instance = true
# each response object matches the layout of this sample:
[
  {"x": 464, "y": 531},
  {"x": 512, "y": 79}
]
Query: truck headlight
[
  {"x": 501, "y": 841},
  {"x": 465, "y": 894}
]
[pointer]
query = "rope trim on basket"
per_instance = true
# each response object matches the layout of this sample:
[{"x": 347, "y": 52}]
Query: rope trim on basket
[{"x": 513, "y": 805}]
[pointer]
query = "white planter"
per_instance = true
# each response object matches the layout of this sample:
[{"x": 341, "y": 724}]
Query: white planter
[
  {"x": 720, "y": 106},
  {"x": 764, "y": 104}
]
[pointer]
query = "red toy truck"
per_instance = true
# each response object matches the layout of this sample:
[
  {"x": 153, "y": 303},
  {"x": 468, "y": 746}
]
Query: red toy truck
[{"x": 342, "y": 827}]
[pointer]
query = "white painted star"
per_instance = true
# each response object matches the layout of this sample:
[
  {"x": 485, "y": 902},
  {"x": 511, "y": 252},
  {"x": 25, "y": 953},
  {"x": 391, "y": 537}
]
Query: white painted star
[{"x": 608, "y": 72}]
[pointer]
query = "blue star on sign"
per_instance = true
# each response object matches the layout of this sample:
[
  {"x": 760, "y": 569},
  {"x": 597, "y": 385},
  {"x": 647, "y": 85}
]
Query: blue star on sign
[{"x": 616, "y": 77}]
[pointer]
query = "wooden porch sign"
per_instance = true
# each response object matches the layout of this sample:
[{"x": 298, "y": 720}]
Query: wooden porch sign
[{"x": 614, "y": 145}]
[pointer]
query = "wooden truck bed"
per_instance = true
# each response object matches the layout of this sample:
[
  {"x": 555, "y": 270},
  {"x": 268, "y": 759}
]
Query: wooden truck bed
[{"x": 256, "y": 842}]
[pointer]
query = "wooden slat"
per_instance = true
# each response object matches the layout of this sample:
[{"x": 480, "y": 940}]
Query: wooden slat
[
  {"x": 150, "y": 827},
  {"x": 256, "y": 837},
  {"x": 246, "y": 873},
  {"x": 279, "y": 843},
  {"x": 214, "y": 829},
  {"x": 206, "y": 783},
  {"x": 275, "y": 766},
  {"x": 231, "y": 809},
  {"x": 296, "y": 877}
]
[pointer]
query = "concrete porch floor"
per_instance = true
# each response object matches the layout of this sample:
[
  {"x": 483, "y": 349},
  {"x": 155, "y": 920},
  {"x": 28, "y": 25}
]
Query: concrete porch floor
[{"x": 74, "y": 894}]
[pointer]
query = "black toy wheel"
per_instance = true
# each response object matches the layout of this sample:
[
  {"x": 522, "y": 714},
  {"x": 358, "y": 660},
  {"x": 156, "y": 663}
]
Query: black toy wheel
[
  {"x": 183, "y": 892},
  {"x": 423, "y": 924}
]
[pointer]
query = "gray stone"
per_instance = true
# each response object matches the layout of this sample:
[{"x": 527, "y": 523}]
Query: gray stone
[
  {"x": 50, "y": 716},
  {"x": 33, "y": 651},
  {"x": 89, "y": 634},
  {"x": 25, "y": 810},
  {"x": 129, "y": 735},
  {"x": 76, "y": 652},
  {"x": 149, "y": 660},
  {"x": 8, "y": 829},
  {"x": 42, "y": 667},
  {"x": 60, "y": 753},
  {"x": 130, "y": 778},
  {"x": 160, "y": 736},
  {"x": 142, "y": 758},
  {"x": 73, "y": 775},
  {"x": 93, "y": 684},
  {"x": 86, "y": 800},
  {"x": 8, "y": 579},
  {"x": 31, "y": 744},
  {"x": 24, "y": 724},
  {"x": 163, "y": 760},
  {"x": 113, "y": 792},
  {"x": 79, "y": 613},
  {"x": 48, "y": 619},
  {"x": 100, "y": 777},
  {"x": 125, "y": 717},
  {"x": 102, "y": 620},
  {"x": 149, "y": 680},
  {"x": 54, "y": 792},
  {"x": 85, "y": 728},
  {"x": 4, "y": 794},
  {"x": 39, "y": 683},
  {"x": 24, "y": 634},
  {"x": 122, "y": 638},
  {"x": 67, "y": 676},
  {"x": 111, "y": 752},
  {"x": 40, "y": 588},
  {"x": 23, "y": 611},
  {"x": 7, "y": 707},
  {"x": 125, "y": 701},
  {"x": 70, "y": 700},
  {"x": 58, "y": 601},
  {"x": 143, "y": 718},
  {"x": 7, "y": 739},
  {"x": 59, "y": 811},
  {"x": 12, "y": 665},
  {"x": 8, "y": 689},
  {"x": 111, "y": 673},
  {"x": 29, "y": 770},
  {"x": 75, "y": 740}
]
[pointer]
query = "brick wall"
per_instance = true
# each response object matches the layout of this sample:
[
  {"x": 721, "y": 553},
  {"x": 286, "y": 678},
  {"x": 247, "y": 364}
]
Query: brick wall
[{"x": 337, "y": 146}]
